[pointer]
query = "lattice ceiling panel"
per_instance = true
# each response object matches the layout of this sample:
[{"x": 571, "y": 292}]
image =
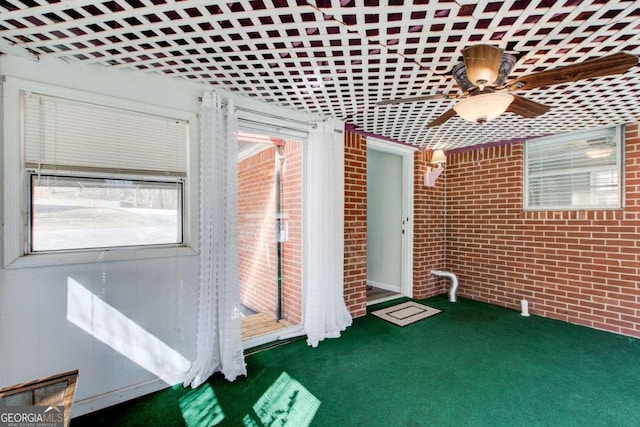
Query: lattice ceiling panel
[{"x": 340, "y": 57}]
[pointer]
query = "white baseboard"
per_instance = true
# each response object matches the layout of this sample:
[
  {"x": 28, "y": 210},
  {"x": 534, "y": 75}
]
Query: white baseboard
[{"x": 95, "y": 403}]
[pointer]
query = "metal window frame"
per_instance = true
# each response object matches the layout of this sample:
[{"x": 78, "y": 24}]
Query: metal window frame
[{"x": 179, "y": 182}]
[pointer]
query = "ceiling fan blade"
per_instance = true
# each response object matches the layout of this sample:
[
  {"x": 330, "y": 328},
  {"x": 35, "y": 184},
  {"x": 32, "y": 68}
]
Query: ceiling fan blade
[
  {"x": 617, "y": 63},
  {"x": 526, "y": 108},
  {"x": 443, "y": 118},
  {"x": 414, "y": 99}
]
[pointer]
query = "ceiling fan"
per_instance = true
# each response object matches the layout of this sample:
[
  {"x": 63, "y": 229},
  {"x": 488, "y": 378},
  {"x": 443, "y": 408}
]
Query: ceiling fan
[{"x": 486, "y": 94}]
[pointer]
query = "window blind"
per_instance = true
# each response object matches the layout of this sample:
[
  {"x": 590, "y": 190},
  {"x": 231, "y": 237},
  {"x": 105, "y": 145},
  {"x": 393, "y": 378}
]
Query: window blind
[
  {"x": 574, "y": 171},
  {"x": 64, "y": 134}
]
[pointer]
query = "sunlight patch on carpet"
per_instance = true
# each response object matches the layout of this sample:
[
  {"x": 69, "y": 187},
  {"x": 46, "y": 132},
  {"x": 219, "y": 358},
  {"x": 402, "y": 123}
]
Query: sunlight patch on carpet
[
  {"x": 200, "y": 407},
  {"x": 406, "y": 313},
  {"x": 285, "y": 403}
]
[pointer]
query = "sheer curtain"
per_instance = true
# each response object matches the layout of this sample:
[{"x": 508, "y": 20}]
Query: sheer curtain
[
  {"x": 326, "y": 314},
  {"x": 219, "y": 343}
]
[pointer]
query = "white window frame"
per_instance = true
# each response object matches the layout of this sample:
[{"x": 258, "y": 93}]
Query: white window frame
[
  {"x": 17, "y": 185},
  {"x": 569, "y": 137}
]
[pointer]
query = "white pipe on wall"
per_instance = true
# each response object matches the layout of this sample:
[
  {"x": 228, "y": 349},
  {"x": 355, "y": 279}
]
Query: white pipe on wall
[{"x": 454, "y": 282}]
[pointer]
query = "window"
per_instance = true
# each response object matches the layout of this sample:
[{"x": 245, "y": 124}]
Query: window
[
  {"x": 574, "y": 171},
  {"x": 101, "y": 177},
  {"x": 70, "y": 212}
]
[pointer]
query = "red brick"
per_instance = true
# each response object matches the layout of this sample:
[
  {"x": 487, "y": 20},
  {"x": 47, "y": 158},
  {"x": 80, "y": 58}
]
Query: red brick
[{"x": 583, "y": 263}]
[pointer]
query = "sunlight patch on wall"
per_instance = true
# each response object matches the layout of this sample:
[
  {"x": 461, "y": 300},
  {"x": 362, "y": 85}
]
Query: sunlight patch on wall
[
  {"x": 200, "y": 407},
  {"x": 105, "y": 323},
  {"x": 286, "y": 402},
  {"x": 263, "y": 241}
]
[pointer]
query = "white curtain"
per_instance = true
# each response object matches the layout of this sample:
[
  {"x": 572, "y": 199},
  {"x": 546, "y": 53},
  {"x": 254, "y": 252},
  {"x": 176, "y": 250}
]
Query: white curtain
[
  {"x": 219, "y": 343},
  {"x": 326, "y": 314}
]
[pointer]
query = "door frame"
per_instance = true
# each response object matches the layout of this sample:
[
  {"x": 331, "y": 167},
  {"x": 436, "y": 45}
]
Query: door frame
[
  {"x": 406, "y": 153},
  {"x": 303, "y": 137}
]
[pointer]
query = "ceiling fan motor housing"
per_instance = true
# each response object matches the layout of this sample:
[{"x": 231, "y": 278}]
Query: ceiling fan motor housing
[
  {"x": 507, "y": 62},
  {"x": 482, "y": 63}
]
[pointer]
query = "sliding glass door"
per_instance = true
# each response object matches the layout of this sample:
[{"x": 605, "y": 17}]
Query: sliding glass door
[{"x": 269, "y": 234}]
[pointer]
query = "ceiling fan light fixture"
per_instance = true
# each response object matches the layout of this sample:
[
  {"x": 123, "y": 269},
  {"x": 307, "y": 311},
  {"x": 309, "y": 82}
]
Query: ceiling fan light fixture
[
  {"x": 482, "y": 63},
  {"x": 483, "y": 107}
]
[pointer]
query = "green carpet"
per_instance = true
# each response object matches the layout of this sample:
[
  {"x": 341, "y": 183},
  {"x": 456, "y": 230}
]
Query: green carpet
[{"x": 472, "y": 365}]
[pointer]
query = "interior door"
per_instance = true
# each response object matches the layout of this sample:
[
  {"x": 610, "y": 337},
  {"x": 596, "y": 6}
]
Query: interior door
[{"x": 384, "y": 220}]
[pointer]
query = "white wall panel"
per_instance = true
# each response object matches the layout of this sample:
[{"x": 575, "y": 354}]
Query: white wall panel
[{"x": 158, "y": 295}]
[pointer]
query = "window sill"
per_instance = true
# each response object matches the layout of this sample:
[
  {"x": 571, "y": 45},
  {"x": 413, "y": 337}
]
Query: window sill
[
  {"x": 98, "y": 256},
  {"x": 584, "y": 215}
]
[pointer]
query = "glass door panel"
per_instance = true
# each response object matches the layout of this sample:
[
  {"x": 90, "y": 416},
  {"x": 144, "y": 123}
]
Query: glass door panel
[{"x": 269, "y": 233}]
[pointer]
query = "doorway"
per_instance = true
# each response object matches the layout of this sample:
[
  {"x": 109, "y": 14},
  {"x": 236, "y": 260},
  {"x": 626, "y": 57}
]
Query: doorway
[
  {"x": 389, "y": 221},
  {"x": 269, "y": 235}
]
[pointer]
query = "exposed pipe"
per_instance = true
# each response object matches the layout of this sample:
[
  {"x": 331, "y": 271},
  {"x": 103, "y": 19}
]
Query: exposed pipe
[{"x": 454, "y": 282}]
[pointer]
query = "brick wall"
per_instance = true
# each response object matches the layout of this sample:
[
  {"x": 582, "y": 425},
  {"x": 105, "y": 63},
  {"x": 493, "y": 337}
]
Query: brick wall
[
  {"x": 428, "y": 251},
  {"x": 428, "y": 229},
  {"x": 256, "y": 232},
  {"x": 578, "y": 266},
  {"x": 291, "y": 204},
  {"x": 355, "y": 224}
]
